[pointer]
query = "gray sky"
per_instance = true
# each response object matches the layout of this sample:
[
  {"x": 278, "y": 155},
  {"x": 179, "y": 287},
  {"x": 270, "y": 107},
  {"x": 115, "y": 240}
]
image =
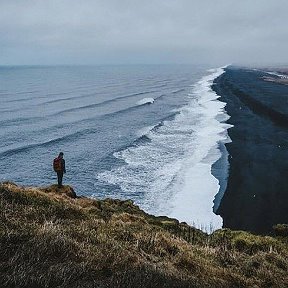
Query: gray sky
[{"x": 142, "y": 31}]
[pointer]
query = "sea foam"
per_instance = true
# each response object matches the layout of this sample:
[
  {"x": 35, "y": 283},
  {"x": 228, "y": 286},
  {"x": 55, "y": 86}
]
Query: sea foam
[
  {"x": 145, "y": 101},
  {"x": 171, "y": 173},
  {"x": 194, "y": 197}
]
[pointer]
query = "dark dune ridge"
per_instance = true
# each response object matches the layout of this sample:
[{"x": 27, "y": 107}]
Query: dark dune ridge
[{"x": 256, "y": 197}]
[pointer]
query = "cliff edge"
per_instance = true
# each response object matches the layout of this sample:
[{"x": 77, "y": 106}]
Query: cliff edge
[{"x": 50, "y": 237}]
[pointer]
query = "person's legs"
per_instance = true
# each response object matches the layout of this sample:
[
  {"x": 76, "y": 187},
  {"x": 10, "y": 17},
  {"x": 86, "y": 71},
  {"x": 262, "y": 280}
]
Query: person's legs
[{"x": 60, "y": 178}]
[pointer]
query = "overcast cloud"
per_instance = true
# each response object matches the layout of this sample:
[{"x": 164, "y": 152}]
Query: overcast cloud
[{"x": 138, "y": 31}]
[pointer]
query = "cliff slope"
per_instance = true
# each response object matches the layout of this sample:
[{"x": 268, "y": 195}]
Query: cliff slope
[{"x": 49, "y": 237}]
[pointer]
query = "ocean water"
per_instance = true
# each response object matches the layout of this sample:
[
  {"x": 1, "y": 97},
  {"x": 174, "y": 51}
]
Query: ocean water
[{"x": 146, "y": 133}]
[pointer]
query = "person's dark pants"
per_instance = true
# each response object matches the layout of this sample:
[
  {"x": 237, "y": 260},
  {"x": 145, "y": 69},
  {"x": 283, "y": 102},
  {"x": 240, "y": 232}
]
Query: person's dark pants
[{"x": 60, "y": 178}]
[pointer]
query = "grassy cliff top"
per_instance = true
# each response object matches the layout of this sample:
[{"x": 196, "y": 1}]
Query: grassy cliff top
[{"x": 49, "y": 237}]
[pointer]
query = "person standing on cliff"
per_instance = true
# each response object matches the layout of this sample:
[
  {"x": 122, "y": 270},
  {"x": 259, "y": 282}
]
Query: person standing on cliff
[{"x": 59, "y": 168}]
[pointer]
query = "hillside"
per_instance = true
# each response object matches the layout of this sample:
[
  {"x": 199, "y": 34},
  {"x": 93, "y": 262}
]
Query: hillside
[{"x": 52, "y": 238}]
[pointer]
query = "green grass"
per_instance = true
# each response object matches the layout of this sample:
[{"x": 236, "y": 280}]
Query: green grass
[{"x": 49, "y": 239}]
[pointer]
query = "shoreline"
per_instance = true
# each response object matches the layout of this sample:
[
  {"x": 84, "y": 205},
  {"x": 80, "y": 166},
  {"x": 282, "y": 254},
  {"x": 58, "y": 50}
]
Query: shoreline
[
  {"x": 221, "y": 174},
  {"x": 198, "y": 208}
]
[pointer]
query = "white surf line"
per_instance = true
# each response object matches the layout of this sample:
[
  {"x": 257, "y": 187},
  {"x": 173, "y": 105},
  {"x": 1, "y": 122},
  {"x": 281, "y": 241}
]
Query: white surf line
[{"x": 193, "y": 203}]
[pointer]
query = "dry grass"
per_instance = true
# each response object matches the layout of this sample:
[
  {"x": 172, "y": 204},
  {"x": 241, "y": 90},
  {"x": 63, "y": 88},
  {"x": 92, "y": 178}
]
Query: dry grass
[{"x": 49, "y": 238}]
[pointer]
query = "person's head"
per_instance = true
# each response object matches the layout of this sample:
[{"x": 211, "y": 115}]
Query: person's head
[{"x": 61, "y": 154}]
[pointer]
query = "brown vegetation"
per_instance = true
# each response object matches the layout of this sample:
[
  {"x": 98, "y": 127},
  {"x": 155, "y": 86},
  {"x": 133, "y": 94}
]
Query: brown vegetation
[{"x": 49, "y": 237}]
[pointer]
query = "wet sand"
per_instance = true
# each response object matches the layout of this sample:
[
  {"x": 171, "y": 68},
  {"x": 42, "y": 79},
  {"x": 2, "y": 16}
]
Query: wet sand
[{"x": 256, "y": 197}]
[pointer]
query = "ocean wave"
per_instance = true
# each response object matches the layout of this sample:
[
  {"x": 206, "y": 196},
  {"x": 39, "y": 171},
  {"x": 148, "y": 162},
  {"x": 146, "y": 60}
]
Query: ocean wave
[
  {"x": 69, "y": 98},
  {"x": 19, "y": 121},
  {"x": 27, "y": 92},
  {"x": 51, "y": 142},
  {"x": 178, "y": 91},
  {"x": 53, "y": 127},
  {"x": 27, "y": 120},
  {"x": 145, "y": 101},
  {"x": 143, "y": 134},
  {"x": 25, "y": 99},
  {"x": 100, "y": 104},
  {"x": 169, "y": 167}
]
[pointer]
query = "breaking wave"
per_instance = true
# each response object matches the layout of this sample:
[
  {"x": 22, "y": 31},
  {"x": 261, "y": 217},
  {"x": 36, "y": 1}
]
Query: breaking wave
[{"x": 167, "y": 169}]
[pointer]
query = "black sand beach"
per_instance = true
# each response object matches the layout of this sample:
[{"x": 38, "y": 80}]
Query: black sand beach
[{"x": 256, "y": 197}]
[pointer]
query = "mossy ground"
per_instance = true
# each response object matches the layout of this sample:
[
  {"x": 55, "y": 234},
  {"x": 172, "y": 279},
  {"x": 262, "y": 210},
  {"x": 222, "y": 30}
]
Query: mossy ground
[{"x": 49, "y": 237}]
